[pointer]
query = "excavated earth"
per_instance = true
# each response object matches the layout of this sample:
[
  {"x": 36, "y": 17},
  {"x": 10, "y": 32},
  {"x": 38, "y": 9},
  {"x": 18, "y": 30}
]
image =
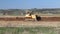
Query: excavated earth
[
  {"x": 23, "y": 18},
  {"x": 20, "y": 21}
]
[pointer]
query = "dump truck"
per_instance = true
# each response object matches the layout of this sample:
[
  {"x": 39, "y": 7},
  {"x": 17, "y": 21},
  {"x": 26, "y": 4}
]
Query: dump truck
[{"x": 30, "y": 16}]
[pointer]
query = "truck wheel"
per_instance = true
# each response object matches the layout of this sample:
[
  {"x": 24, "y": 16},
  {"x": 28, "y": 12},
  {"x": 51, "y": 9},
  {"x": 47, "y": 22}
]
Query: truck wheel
[{"x": 38, "y": 18}]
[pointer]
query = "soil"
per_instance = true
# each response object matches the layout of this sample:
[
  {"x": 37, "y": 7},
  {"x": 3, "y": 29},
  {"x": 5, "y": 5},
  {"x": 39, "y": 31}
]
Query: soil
[{"x": 22, "y": 18}]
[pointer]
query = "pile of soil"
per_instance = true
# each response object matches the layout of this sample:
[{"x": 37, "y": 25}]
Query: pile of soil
[
  {"x": 50, "y": 18},
  {"x": 11, "y": 19},
  {"x": 22, "y": 19}
]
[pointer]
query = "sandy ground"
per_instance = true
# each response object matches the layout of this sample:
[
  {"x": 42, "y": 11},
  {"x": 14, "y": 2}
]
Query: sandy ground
[
  {"x": 45, "y": 21},
  {"x": 29, "y": 23}
]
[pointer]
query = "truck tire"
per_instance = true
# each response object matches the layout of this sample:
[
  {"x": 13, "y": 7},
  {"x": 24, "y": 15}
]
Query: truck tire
[{"x": 38, "y": 18}]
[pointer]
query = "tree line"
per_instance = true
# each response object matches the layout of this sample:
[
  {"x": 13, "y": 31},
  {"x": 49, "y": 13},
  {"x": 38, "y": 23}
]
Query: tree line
[{"x": 34, "y": 10}]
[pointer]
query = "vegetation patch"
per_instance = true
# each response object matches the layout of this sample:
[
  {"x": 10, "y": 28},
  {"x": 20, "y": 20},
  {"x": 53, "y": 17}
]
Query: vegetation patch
[{"x": 28, "y": 30}]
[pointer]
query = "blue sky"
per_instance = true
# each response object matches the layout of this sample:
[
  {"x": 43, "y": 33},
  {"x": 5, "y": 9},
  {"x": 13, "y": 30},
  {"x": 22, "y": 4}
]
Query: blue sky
[{"x": 26, "y": 4}]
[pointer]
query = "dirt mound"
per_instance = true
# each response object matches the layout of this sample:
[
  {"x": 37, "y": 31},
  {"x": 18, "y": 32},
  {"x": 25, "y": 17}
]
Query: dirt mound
[
  {"x": 22, "y": 19},
  {"x": 11, "y": 19},
  {"x": 50, "y": 18}
]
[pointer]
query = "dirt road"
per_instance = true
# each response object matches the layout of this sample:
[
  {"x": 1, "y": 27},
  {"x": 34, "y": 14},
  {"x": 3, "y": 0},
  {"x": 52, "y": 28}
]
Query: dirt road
[{"x": 29, "y": 23}]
